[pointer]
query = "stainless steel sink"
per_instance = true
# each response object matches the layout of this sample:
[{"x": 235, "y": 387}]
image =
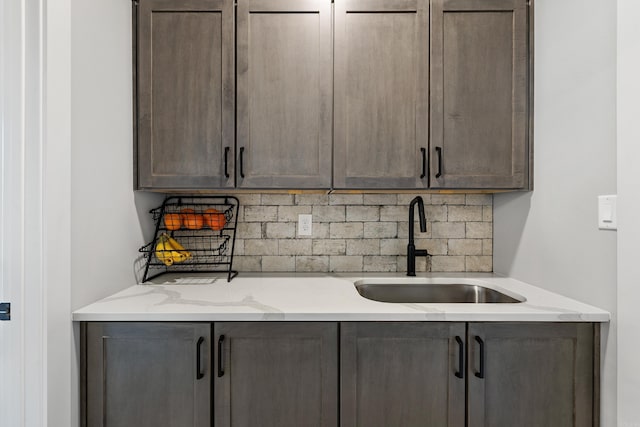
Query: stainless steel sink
[{"x": 416, "y": 292}]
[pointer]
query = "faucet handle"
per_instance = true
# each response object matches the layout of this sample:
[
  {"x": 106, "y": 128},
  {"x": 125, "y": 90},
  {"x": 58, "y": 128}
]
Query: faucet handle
[{"x": 422, "y": 252}]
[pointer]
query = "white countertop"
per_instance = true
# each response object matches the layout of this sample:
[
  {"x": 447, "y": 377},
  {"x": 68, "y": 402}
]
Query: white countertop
[{"x": 322, "y": 297}]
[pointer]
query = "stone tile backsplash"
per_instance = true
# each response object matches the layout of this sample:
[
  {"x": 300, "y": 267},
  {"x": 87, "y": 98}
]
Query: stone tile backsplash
[{"x": 362, "y": 232}]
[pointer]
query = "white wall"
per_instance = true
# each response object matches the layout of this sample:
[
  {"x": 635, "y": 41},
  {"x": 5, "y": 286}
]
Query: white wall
[
  {"x": 106, "y": 214},
  {"x": 550, "y": 237},
  {"x": 106, "y": 231},
  {"x": 57, "y": 221},
  {"x": 628, "y": 211}
]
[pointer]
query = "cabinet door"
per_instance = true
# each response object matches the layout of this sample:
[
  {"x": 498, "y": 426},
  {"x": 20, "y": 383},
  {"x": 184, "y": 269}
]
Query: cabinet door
[
  {"x": 185, "y": 94},
  {"x": 479, "y": 88},
  {"x": 381, "y": 93},
  {"x": 284, "y": 93},
  {"x": 276, "y": 374},
  {"x": 533, "y": 374},
  {"x": 148, "y": 374},
  {"x": 402, "y": 374}
]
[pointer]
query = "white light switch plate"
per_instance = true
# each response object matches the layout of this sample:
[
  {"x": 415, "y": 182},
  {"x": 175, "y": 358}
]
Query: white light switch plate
[
  {"x": 304, "y": 225},
  {"x": 607, "y": 215}
]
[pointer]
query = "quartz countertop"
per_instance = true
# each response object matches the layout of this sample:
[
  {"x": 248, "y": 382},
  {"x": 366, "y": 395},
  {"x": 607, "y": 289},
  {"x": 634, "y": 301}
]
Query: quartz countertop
[{"x": 323, "y": 297}]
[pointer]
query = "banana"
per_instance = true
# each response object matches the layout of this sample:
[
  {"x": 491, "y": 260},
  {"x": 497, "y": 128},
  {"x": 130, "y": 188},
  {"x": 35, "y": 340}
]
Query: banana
[
  {"x": 184, "y": 254},
  {"x": 163, "y": 253},
  {"x": 169, "y": 251},
  {"x": 178, "y": 257}
]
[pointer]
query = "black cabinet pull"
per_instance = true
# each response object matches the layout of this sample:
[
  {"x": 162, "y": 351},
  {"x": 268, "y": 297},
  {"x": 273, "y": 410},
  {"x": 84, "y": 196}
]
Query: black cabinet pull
[
  {"x": 242, "y": 162},
  {"x": 199, "y": 374},
  {"x": 439, "y": 153},
  {"x": 480, "y": 374},
  {"x": 460, "y": 373},
  {"x": 220, "y": 354},
  {"x": 226, "y": 155},
  {"x": 424, "y": 162}
]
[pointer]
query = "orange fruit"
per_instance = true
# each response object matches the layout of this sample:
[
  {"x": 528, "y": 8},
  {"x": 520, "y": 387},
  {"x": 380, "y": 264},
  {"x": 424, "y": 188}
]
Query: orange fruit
[
  {"x": 191, "y": 220},
  {"x": 214, "y": 219},
  {"x": 185, "y": 211},
  {"x": 172, "y": 221}
]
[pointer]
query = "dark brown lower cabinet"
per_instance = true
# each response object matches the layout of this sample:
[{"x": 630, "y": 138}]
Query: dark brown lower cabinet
[
  {"x": 352, "y": 374},
  {"x": 509, "y": 374},
  {"x": 402, "y": 374},
  {"x": 147, "y": 374},
  {"x": 532, "y": 374},
  {"x": 276, "y": 374}
]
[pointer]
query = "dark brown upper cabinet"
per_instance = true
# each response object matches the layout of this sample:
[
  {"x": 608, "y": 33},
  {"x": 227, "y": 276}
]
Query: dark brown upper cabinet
[
  {"x": 185, "y": 94},
  {"x": 284, "y": 72},
  {"x": 364, "y": 94},
  {"x": 381, "y": 97},
  {"x": 479, "y": 94}
]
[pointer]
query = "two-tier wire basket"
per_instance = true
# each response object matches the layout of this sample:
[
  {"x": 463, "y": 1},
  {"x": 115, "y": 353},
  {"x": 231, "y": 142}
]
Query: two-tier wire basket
[{"x": 193, "y": 234}]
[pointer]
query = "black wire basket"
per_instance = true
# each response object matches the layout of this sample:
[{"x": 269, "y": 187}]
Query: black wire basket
[{"x": 193, "y": 234}]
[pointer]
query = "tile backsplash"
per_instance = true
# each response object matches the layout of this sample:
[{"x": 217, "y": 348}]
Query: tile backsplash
[{"x": 362, "y": 232}]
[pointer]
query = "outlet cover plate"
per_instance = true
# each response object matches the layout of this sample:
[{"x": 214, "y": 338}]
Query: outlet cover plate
[
  {"x": 607, "y": 215},
  {"x": 305, "y": 225}
]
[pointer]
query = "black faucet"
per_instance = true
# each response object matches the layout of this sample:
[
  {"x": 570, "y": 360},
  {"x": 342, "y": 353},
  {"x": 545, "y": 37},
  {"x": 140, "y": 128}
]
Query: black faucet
[{"x": 412, "y": 252}]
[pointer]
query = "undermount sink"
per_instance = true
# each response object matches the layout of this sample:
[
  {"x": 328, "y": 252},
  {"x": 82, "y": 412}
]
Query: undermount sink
[{"x": 427, "y": 292}]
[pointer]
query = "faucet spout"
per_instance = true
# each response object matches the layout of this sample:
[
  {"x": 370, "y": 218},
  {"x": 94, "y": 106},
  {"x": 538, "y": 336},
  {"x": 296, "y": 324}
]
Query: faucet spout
[
  {"x": 412, "y": 252},
  {"x": 421, "y": 217}
]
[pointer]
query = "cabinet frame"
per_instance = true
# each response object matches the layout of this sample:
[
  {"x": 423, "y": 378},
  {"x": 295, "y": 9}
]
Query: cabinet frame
[
  {"x": 464, "y": 112},
  {"x": 315, "y": 172},
  {"x": 580, "y": 340},
  {"x": 234, "y": 127},
  {"x": 222, "y": 139},
  {"x": 290, "y": 340},
  {"x": 444, "y": 391},
  {"x": 192, "y": 340},
  {"x": 339, "y": 366},
  {"x": 384, "y": 17}
]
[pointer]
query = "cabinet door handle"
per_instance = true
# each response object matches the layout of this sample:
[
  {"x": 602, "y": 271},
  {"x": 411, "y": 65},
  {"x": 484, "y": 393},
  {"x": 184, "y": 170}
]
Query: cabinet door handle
[
  {"x": 226, "y": 156},
  {"x": 199, "y": 374},
  {"x": 242, "y": 162},
  {"x": 424, "y": 162},
  {"x": 480, "y": 374},
  {"x": 220, "y": 355},
  {"x": 460, "y": 373},
  {"x": 439, "y": 154}
]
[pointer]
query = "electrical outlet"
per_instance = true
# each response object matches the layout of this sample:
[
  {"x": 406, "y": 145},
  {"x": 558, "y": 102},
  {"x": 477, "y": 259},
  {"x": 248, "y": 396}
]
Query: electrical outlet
[{"x": 304, "y": 225}]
